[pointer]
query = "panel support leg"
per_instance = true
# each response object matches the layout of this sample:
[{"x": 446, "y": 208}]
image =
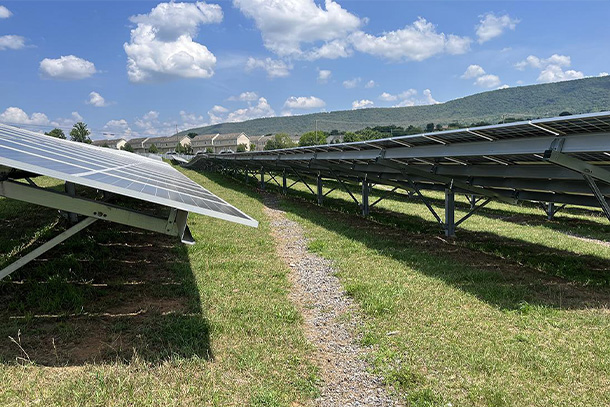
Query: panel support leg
[
  {"x": 449, "y": 213},
  {"x": 320, "y": 193},
  {"x": 365, "y": 197},
  {"x": 284, "y": 183},
  {"x": 46, "y": 247},
  {"x": 262, "y": 178},
  {"x": 550, "y": 210},
  {"x": 70, "y": 189}
]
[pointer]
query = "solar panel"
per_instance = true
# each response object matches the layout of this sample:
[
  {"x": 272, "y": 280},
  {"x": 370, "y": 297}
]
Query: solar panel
[
  {"x": 114, "y": 171},
  {"x": 551, "y": 160}
]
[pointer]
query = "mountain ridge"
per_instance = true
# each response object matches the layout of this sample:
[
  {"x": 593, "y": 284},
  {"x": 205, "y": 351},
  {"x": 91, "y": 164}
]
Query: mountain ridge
[{"x": 523, "y": 102}]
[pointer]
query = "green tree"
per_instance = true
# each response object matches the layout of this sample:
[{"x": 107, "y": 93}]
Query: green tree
[
  {"x": 241, "y": 148},
  {"x": 188, "y": 149},
  {"x": 127, "y": 147},
  {"x": 105, "y": 145},
  {"x": 313, "y": 138},
  {"x": 57, "y": 133},
  {"x": 153, "y": 149},
  {"x": 179, "y": 148},
  {"x": 370, "y": 134},
  {"x": 430, "y": 127},
  {"x": 349, "y": 137},
  {"x": 252, "y": 146},
  {"x": 80, "y": 133},
  {"x": 280, "y": 140},
  {"x": 209, "y": 150},
  {"x": 192, "y": 134}
]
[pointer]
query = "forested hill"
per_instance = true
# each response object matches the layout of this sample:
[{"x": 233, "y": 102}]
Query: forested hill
[{"x": 524, "y": 102}]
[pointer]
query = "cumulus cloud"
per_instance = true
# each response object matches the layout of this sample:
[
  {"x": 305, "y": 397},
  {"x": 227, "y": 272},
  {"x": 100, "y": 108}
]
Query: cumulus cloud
[
  {"x": 275, "y": 68},
  {"x": 162, "y": 45},
  {"x": 324, "y": 75},
  {"x": 362, "y": 104},
  {"x": 66, "y": 68},
  {"x": 473, "y": 71},
  {"x": 286, "y": 25},
  {"x": 415, "y": 42},
  {"x": 245, "y": 97},
  {"x": 261, "y": 108},
  {"x": 117, "y": 128},
  {"x": 487, "y": 81},
  {"x": 4, "y": 12},
  {"x": 551, "y": 69},
  {"x": 602, "y": 74},
  {"x": 351, "y": 83},
  {"x": 304, "y": 102},
  {"x": 409, "y": 97},
  {"x": 15, "y": 115},
  {"x": 67, "y": 122},
  {"x": 492, "y": 26},
  {"x": 483, "y": 79},
  {"x": 97, "y": 100},
  {"x": 370, "y": 84},
  {"x": 11, "y": 42}
]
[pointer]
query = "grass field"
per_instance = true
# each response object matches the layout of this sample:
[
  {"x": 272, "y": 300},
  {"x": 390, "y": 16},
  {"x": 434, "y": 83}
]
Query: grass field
[
  {"x": 514, "y": 312},
  {"x": 118, "y": 316}
]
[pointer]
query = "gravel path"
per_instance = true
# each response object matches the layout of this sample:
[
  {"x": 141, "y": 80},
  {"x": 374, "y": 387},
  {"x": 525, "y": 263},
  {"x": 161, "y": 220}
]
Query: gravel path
[{"x": 330, "y": 319}]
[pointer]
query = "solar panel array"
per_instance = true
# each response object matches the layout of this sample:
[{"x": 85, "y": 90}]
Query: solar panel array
[
  {"x": 114, "y": 171},
  {"x": 492, "y": 157}
]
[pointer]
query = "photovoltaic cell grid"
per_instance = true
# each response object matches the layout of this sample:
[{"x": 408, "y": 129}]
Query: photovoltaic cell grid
[{"x": 115, "y": 171}]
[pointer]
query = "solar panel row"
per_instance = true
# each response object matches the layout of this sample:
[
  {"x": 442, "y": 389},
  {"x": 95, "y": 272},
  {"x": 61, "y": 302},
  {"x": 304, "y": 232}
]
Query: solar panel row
[{"x": 114, "y": 171}]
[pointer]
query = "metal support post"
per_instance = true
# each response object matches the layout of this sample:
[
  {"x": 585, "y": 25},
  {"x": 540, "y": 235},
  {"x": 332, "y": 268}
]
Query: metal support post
[
  {"x": 284, "y": 183},
  {"x": 550, "y": 210},
  {"x": 320, "y": 193},
  {"x": 70, "y": 189},
  {"x": 263, "y": 178},
  {"x": 449, "y": 213},
  {"x": 365, "y": 197}
]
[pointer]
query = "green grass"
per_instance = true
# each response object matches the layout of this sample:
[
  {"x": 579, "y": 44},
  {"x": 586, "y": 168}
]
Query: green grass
[
  {"x": 117, "y": 316},
  {"x": 514, "y": 312}
]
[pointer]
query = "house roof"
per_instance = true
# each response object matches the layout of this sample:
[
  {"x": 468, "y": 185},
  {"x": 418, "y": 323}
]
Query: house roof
[
  {"x": 204, "y": 137},
  {"x": 137, "y": 140},
  {"x": 107, "y": 141},
  {"x": 230, "y": 136}
]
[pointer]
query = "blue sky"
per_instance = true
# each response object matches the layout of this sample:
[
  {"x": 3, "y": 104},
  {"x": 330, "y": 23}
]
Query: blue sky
[{"x": 140, "y": 68}]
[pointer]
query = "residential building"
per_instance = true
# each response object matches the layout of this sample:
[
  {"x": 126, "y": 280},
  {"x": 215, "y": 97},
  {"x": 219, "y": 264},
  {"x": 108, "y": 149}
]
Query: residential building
[
  {"x": 138, "y": 144},
  {"x": 203, "y": 142},
  {"x": 228, "y": 142},
  {"x": 166, "y": 144},
  {"x": 117, "y": 144}
]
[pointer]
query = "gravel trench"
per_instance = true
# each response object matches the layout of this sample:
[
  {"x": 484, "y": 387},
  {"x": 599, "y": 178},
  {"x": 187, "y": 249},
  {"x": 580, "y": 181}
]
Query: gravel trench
[{"x": 330, "y": 319}]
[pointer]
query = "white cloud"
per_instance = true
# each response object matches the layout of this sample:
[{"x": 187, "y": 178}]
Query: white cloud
[
  {"x": 415, "y": 42},
  {"x": 370, "y": 84},
  {"x": 4, "y": 12},
  {"x": 245, "y": 97},
  {"x": 220, "y": 114},
  {"x": 68, "y": 122},
  {"x": 11, "y": 42},
  {"x": 473, "y": 71},
  {"x": 362, "y": 104},
  {"x": 551, "y": 69},
  {"x": 331, "y": 50},
  {"x": 190, "y": 120},
  {"x": 275, "y": 68},
  {"x": 15, "y": 115},
  {"x": 117, "y": 128},
  {"x": 351, "y": 83},
  {"x": 505, "y": 86},
  {"x": 324, "y": 75},
  {"x": 409, "y": 98},
  {"x": 487, "y": 81},
  {"x": 602, "y": 74},
  {"x": 492, "y": 26},
  {"x": 67, "y": 67},
  {"x": 304, "y": 102},
  {"x": 286, "y": 25},
  {"x": 387, "y": 97},
  {"x": 96, "y": 100},
  {"x": 162, "y": 45}
]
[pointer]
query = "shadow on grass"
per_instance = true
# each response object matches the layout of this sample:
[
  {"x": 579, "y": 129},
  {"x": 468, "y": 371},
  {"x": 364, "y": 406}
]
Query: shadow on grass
[
  {"x": 108, "y": 294},
  {"x": 504, "y": 272}
]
